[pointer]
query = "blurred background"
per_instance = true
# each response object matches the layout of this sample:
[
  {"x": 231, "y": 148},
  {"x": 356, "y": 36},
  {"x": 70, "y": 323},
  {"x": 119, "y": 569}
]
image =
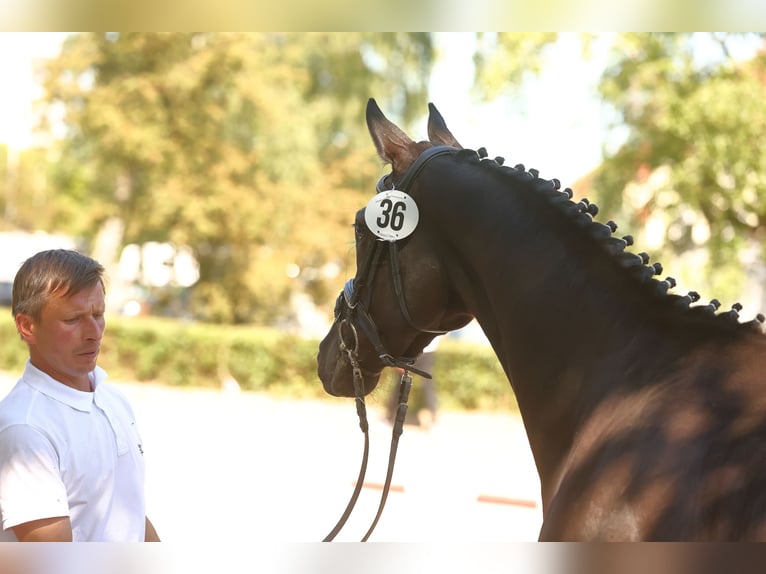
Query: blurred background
[{"x": 216, "y": 176}]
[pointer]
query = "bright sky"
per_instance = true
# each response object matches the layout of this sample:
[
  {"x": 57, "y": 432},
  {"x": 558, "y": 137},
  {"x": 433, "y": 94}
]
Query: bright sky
[
  {"x": 557, "y": 127},
  {"x": 18, "y": 53}
]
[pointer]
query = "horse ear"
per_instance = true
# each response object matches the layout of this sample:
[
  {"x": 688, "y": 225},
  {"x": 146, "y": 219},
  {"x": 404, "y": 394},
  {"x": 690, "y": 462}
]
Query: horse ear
[
  {"x": 437, "y": 129},
  {"x": 393, "y": 145}
]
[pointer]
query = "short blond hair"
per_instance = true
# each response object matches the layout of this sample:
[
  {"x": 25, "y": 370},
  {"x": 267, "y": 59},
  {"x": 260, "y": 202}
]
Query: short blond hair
[{"x": 52, "y": 273}]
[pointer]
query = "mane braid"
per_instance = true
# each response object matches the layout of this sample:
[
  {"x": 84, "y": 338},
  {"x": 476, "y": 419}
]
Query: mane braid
[{"x": 582, "y": 214}]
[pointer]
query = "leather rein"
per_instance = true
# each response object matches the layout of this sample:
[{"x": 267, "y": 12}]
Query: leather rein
[{"x": 352, "y": 315}]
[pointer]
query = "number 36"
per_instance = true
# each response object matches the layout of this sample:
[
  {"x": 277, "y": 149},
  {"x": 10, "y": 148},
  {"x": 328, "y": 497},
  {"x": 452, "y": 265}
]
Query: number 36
[{"x": 392, "y": 215}]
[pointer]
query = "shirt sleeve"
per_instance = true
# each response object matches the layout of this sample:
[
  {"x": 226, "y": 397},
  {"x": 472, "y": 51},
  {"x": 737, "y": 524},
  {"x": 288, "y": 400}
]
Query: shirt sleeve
[{"x": 30, "y": 482}]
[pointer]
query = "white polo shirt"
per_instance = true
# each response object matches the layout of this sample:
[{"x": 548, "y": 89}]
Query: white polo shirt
[{"x": 65, "y": 452}]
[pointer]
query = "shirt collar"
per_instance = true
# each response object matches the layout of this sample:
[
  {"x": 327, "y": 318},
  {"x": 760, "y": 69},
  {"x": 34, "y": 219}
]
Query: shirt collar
[{"x": 50, "y": 387}]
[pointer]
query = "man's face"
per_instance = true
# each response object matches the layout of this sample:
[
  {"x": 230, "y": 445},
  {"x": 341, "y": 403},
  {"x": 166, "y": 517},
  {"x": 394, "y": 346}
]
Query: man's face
[{"x": 65, "y": 342}]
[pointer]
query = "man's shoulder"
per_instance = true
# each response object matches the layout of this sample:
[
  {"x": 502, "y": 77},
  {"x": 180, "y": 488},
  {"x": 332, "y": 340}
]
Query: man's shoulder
[
  {"x": 21, "y": 422},
  {"x": 14, "y": 406},
  {"x": 26, "y": 405}
]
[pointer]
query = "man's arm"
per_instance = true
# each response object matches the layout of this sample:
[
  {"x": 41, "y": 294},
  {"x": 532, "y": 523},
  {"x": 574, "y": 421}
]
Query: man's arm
[
  {"x": 151, "y": 533},
  {"x": 57, "y": 529},
  {"x": 33, "y": 491}
]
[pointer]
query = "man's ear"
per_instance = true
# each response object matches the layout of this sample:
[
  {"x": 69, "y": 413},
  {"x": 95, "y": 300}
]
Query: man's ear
[{"x": 25, "y": 325}]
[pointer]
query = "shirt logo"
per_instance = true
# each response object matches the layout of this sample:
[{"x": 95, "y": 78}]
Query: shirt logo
[{"x": 135, "y": 432}]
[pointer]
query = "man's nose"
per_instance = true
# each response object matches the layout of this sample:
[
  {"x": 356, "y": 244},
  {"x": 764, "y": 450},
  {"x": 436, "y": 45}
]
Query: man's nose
[{"x": 94, "y": 328}]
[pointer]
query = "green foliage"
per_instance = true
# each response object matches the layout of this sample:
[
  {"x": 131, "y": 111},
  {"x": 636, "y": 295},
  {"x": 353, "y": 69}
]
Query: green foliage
[
  {"x": 466, "y": 376},
  {"x": 250, "y": 148},
  {"x": 471, "y": 377},
  {"x": 693, "y": 115},
  {"x": 181, "y": 354},
  {"x": 266, "y": 360},
  {"x": 24, "y": 193},
  {"x": 13, "y": 351}
]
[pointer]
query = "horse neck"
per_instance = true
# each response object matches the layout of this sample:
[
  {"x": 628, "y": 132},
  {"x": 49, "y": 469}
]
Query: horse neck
[{"x": 563, "y": 318}]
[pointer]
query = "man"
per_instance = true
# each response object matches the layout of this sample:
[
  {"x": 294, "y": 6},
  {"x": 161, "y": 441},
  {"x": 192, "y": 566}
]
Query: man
[{"x": 71, "y": 459}]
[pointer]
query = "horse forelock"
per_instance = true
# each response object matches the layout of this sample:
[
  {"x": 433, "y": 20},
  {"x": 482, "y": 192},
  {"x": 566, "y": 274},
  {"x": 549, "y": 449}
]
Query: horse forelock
[{"x": 605, "y": 243}]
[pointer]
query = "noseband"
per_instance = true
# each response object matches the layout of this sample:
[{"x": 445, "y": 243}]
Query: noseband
[{"x": 352, "y": 314}]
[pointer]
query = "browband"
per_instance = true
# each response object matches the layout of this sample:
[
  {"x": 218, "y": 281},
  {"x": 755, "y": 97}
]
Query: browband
[{"x": 416, "y": 168}]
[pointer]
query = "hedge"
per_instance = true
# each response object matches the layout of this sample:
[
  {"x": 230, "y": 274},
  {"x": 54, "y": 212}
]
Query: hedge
[{"x": 260, "y": 359}]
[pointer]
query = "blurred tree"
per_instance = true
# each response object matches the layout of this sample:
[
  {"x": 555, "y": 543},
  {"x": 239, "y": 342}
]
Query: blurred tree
[
  {"x": 249, "y": 148},
  {"x": 24, "y": 200},
  {"x": 690, "y": 111},
  {"x": 694, "y": 115}
]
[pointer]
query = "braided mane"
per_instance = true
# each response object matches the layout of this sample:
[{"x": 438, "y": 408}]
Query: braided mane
[{"x": 582, "y": 214}]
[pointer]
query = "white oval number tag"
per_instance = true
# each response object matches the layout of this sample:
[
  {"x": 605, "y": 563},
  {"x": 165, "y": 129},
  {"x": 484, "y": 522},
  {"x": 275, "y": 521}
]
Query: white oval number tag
[{"x": 391, "y": 215}]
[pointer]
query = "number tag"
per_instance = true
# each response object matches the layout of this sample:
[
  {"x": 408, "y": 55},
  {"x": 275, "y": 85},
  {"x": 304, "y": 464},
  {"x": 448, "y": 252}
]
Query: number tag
[{"x": 391, "y": 215}]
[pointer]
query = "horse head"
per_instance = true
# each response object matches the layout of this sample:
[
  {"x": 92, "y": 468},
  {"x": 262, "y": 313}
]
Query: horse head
[{"x": 400, "y": 297}]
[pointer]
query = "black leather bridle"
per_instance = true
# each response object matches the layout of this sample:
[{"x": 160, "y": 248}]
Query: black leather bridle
[
  {"x": 352, "y": 316},
  {"x": 349, "y": 304}
]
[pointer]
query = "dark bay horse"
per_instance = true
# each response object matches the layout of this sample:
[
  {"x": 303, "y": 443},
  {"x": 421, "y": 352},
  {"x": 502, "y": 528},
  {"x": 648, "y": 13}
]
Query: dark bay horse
[{"x": 645, "y": 410}]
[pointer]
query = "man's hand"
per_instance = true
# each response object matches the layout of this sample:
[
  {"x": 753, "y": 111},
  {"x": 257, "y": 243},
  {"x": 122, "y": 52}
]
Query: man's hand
[{"x": 151, "y": 533}]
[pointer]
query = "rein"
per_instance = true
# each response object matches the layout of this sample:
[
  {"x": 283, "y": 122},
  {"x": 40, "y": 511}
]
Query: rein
[
  {"x": 405, "y": 384},
  {"x": 349, "y": 307}
]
